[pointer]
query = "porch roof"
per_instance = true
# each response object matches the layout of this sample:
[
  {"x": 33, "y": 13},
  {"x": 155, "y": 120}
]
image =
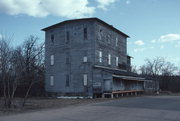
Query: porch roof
[{"x": 129, "y": 78}]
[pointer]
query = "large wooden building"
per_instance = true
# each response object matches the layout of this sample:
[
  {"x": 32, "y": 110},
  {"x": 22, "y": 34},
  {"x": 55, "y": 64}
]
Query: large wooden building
[{"x": 88, "y": 57}]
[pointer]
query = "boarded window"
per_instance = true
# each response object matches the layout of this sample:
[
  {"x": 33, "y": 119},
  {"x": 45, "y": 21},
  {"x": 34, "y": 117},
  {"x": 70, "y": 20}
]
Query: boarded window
[
  {"x": 100, "y": 56},
  {"x": 85, "y": 33},
  {"x": 109, "y": 59},
  {"x": 52, "y": 60},
  {"x": 85, "y": 59},
  {"x": 51, "y": 80},
  {"x": 85, "y": 79},
  {"x": 117, "y": 61},
  {"x": 67, "y": 80}
]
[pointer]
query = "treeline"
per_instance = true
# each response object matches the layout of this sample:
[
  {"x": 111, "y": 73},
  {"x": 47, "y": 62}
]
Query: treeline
[
  {"x": 166, "y": 73},
  {"x": 21, "y": 70}
]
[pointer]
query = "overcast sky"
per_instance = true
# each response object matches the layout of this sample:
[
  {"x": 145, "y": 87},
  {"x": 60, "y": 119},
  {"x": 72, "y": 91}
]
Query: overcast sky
[{"x": 153, "y": 25}]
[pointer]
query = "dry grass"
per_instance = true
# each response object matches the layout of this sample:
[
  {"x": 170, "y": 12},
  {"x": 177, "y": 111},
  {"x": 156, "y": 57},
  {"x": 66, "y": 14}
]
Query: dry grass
[{"x": 36, "y": 104}]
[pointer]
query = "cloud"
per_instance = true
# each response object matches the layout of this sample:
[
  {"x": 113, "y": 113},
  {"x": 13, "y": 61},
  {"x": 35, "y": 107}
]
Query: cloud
[
  {"x": 167, "y": 38},
  {"x": 153, "y": 41},
  {"x": 139, "y": 49},
  {"x": 43, "y": 8},
  {"x": 162, "y": 46},
  {"x": 139, "y": 42},
  {"x": 128, "y": 2},
  {"x": 104, "y": 3}
]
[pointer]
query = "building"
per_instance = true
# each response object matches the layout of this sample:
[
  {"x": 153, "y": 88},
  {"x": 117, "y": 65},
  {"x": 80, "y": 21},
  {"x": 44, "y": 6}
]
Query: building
[{"x": 88, "y": 57}]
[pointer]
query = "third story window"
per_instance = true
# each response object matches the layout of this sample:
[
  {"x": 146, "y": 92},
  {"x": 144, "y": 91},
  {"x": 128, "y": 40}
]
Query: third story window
[
  {"x": 67, "y": 37},
  {"x": 52, "y": 38},
  {"x": 116, "y": 41},
  {"x": 85, "y": 33}
]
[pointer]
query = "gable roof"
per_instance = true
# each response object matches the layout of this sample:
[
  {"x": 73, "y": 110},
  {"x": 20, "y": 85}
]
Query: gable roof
[{"x": 85, "y": 19}]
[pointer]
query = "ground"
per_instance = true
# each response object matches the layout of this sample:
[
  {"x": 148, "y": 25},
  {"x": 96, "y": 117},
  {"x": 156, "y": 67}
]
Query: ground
[{"x": 144, "y": 108}]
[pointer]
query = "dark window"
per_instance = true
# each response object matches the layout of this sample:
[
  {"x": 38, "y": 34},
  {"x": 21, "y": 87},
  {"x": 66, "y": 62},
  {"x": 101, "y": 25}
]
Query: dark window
[
  {"x": 52, "y": 38},
  {"x": 85, "y": 33},
  {"x": 67, "y": 60},
  {"x": 67, "y": 37},
  {"x": 67, "y": 80}
]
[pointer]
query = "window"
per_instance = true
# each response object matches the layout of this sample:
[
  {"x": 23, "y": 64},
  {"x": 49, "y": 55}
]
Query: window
[
  {"x": 52, "y": 38},
  {"x": 51, "y": 80},
  {"x": 100, "y": 34},
  {"x": 109, "y": 38},
  {"x": 117, "y": 59},
  {"x": 85, "y": 33},
  {"x": 85, "y": 79},
  {"x": 67, "y": 37},
  {"x": 85, "y": 59},
  {"x": 52, "y": 60},
  {"x": 67, "y": 80},
  {"x": 109, "y": 59},
  {"x": 116, "y": 41},
  {"x": 100, "y": 56}
]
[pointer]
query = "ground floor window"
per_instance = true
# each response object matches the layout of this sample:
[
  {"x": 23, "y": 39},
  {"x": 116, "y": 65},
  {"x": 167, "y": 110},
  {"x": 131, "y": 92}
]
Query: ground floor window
[
  {"x": 85, "y": 79},
  {"x": 51, "y": 80}
]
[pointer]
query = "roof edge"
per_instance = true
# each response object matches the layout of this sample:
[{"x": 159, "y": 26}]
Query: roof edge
[{"x": 83, "y": 19}]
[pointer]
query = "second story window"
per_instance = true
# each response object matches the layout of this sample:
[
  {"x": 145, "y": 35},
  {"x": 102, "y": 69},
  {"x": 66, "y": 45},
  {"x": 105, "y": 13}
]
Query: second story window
[
  {"x": 109, "y": 59},
  {"x": 85, "y": 59},
  {"x": 52, "y": 60},
  {"x": 117, "y": 61},
  {"x": 85, "y": 33},
  {"x": 52, "y": 38},
  {"x": 67, "y": 37},
  {"x": 100, "y": 56}
]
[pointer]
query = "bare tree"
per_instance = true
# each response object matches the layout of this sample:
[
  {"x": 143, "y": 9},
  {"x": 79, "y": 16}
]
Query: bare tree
[
  {"x": 134, "y": 69},
  {"x": 33, "y": 63},
  {"x": 6, "y": 72},
  {"x": 168, "y": 69}
]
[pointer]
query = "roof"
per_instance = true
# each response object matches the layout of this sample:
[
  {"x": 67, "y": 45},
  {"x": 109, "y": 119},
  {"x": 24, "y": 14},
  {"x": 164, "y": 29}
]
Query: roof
[
  {"x": 85, "y": 19},
  {"x": 109, "y": 68},
  {"x": 129, "y": 78}
]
